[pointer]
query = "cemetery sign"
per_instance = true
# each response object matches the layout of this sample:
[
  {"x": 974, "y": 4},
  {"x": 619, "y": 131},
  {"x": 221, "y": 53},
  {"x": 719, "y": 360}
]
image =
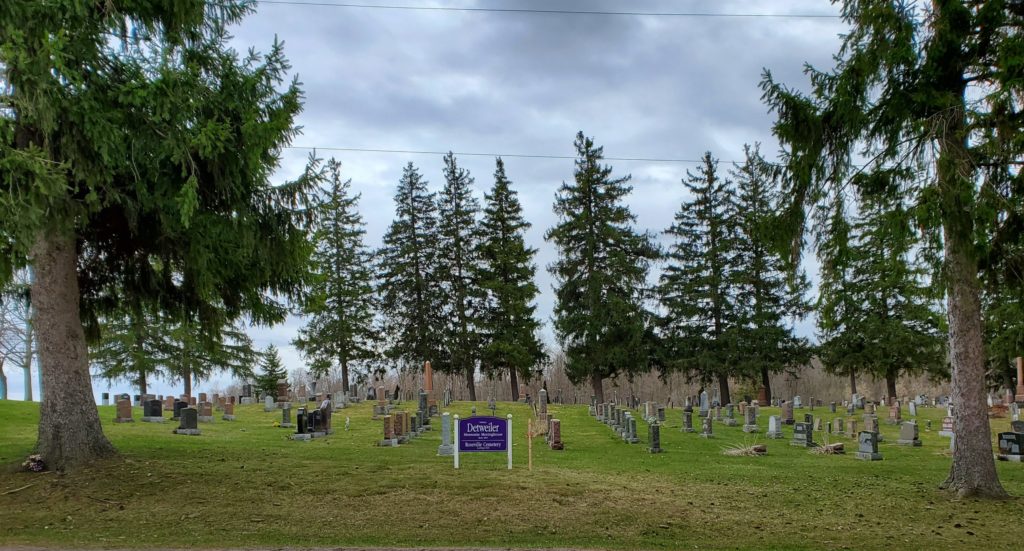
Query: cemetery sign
[{"x": 483, "y": 434}]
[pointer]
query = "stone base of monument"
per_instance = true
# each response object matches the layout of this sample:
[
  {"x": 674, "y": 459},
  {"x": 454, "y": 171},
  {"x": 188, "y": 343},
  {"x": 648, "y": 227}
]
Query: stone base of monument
[
  {"x": 650, "y": 450},
  {"x": 287, "y": 425},
  {"x": 751, "y": 428},
  {"x": 445, "y": 450},
  {"x": 729, "y": 422},
  {"x": 789, "y": 421},
  {"x": 205, "y": 418},
  {"x": 247, "y": 401},
  {"x": 228, "y": 417},
  {"x": 187, "y": 432},
  {"x": 914, "y": 443},
  {"x": 153, "y": 419},
  {"x": 1010, "y": 457},
  {"x": 284, "y": 405},
  {"x": 121, "y": 420},
  {"x": 308, "y": 435},
  {"x": 404, "y": 439},
  {"x": 633, "y": 440},
  {"x": 706, "y": 435},
  {"x": 387, "y": 443},
  {"x": 269, "y": 409},
  {"x": 803, "y": 444},
  {"x": 688, "y": 429},
  {"x": 868, "y": 456},
  {"x": 774, "y": 435}
]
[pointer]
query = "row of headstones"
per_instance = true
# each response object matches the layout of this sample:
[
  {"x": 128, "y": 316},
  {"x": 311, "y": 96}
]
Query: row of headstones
[
  {"x": 153, "y": 411},
  {"x": 623, "y": 422},
  {"x": 402, "y": 426}
]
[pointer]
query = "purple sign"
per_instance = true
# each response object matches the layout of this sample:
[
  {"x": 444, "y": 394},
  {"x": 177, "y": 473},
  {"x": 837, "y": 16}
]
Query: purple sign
[{"x": 483, "y": 434}]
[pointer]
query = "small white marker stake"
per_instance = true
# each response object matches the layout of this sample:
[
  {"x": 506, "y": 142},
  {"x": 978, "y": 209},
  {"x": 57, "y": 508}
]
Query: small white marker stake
[
  {"x": 509, "y": 433},
  {"x": 456, "y": 427}
]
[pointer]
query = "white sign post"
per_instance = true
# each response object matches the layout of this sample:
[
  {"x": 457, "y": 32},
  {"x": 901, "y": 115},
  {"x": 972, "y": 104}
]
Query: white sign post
[
  {"x": 509, "y": 417},
  {"x": 455, "y": 426}
]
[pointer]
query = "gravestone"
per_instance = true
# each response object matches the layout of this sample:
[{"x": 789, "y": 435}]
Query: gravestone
[
  {"x": 787, "y": 413},
  {"x": 205, "y": 412},
  {"x": 542, "y": 402},
  {"x": 168, "y": 403},
  {"x": 704, "y": 405},
  {"x": 522, "y": 393},
  {"x": 654, "y": 437},
  {"x": 895, "y": 413},
  {"x": 851, "y": 427},
  {"x": 716, "y": 412},
  {"x": 124, "y": 412},
  {"x": 138, "y": 400},
  {"x": 688, "y": 420},
  {"x": 1011, "y": 446},
  {"x": 871, "y": 425},
  {"x": 869, "y": 408},
  {"x": 178, "y": 406},
  {"x": 774, "y": 427},
  {"x": 851, "y": 409},
  {"x": 1015, "y": 411},
  {"x": 811, "y": 402},
  {"x": 832, "y": 407},
  {"x": 706, "y": 430},
  {"x": 153, "y": 411},
  {"x": 282, "y": 392},
  {"x": 730, "y": 416},
  {"x": 555, "y": 435},
  {"x": 908, "y": 434},
  {"x": 837, "y": 426},
  {"x": 912, "y": 408},
  {"x": 390, "y": 440},
  {"x": 867, "y": 446},
  {"x": 1017, "y": 426},
  {"x": 202, "y": 396},
  {"x": 661, "y": 414},
  {"x": 269, "y": 404},
  {"x": 750, "y": 420},
  {"x": 797, "y": 402},
  {"x": 817, "y": 424},
  {"x": 446, "y": 449},
  {"x": 106, "y": 398},
  {"x": 229, "y": 411},
  {"x": 809, "y": 418},
  {"x": 189, "y": 422},
  {"x": 286, "y": 418},
  {"x": 803, "y": 436}
]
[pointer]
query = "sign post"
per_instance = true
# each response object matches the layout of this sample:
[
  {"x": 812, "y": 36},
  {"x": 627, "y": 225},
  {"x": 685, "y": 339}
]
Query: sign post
[{"x": 483, "y": 434}]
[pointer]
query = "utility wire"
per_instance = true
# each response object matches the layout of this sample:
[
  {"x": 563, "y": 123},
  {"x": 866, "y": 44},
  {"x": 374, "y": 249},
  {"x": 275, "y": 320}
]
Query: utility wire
[{"x": 549, "y": 11}]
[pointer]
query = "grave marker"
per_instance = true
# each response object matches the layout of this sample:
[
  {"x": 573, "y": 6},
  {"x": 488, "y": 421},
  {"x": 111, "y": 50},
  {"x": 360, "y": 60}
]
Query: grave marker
[
  {"x": 706, "y": 428},
  {"x": 774, "y": 427},
  {"x": 787, "y": 413},
  {"x": 654, "y": 438},
  {"x": 555, "y": 435},
  {"x": 688, "y": 420},
  {"x": 867, "y": 446},
  {"x": 908, "y": 434},
  {"x": 1011, "y": 446},
  {"x": 803, "y": 436},
  {"x": 189, "y": 422},
  {"x": 229, "y": 411},
  {"x": 153, "y": 411},
  {"x": 205, "y": 412},
  {"x": 124, "y": 412},
  {"x": 750, "y": 420}
]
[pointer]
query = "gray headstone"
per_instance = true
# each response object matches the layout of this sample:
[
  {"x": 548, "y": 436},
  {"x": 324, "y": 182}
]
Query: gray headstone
[
  {"x": 706, "y": 427},
  {"x": 803, "y": 436},
  {"x": 688, "y": 420},
  {"x": 654, "y": 438},
  {"x": 908, "y": 434},
  {"x": 774, "y": 427},
  {"x": 867, "y": 446},
  {"x": 189, "y": 422}
]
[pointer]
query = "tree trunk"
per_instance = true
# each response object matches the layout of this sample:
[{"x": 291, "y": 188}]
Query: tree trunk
[
  {"x": 187, "y": 379},
  {"x": 344, "y": 378},
  {"x": 142, "y": 384},
  {"x": 70, "y": 433},
  {"x": 470, "y": 383},
  {"x": 723, "y": 388},
  {"x": 890, "y": 385},
  {"x": 853, "y": 381},
  {"x": 513, "y": 378},
  {"x": 973, "y": 472},
  {"x": 3, "y": 381},
  {"x": 766, "y": 382},
  {"x": 597, "y": 386},
  {"x": 29, "y": 348}
]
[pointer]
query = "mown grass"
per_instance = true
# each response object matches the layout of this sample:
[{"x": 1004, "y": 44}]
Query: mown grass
[{"x": 244, "y": 484}]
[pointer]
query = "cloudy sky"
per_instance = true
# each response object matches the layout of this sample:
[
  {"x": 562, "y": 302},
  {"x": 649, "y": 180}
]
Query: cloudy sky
[{"x": 654, "y": 87}]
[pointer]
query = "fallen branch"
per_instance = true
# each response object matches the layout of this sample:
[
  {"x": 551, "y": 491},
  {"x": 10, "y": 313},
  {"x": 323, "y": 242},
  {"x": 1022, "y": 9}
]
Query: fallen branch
[
  {"x": 8, "y": 492},
  {"x": 103, "y": 500}
]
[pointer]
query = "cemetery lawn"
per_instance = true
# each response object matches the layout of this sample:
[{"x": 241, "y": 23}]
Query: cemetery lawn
[{"x": 244, "y": 484}]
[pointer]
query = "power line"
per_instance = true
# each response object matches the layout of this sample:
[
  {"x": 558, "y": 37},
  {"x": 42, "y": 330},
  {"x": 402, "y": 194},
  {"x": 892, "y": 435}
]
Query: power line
[
  {"x": 549, "y": 11},
  {"x": 502, "y": 155}
]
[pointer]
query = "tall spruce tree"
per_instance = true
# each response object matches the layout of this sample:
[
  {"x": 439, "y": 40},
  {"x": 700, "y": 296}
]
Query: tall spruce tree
[
  {"x": 410, "y": 297},
  {"x": 140, "y": 167},
  {"x": 600, "y": 275},
  {"x": 341, "y": 306},
  {"x": 132, "y": 347},
  {"x": 457, "y": 244},
  {"x": 271, "y": 371},
  {"x": 700, "y": 284},
  {"x": 770, "y": 296},
  {"x": 508, "y": 325},
  {"x": 195, "y": 353},
  {"x": 934, "y": 85}
]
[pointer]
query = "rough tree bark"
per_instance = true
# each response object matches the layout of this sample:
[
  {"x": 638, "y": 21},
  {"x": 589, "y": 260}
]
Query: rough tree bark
[
  {"x": 890, "y": 384},
  {"x": 766, "y": 382},
  {"x": 187, "y": 379},
  {"x": 344, "y": 377},
  {"x": 143, "y": 387},
  {"x": 723, "y": 388},
  {"x": 470, "y": 383},
  {"x": 853, "y": 381},
  {"x": 29, "y": 348},
  {"x": 70, "y": 433},
  {"x": 3, "y": 381},
  {"x": 513, "y": 379},
  {"x": 597, "y": 385}
]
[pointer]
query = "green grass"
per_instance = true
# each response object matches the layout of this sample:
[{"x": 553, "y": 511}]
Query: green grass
[{"x": 244, "y": 484}]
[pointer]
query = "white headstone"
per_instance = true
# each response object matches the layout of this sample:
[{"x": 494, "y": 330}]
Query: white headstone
[
  {"x": 990, "y": 400},
  {"x": 912, "y": 406},
  {"x": 797, "y": 402},
  {"x": 269, "y": 404}
]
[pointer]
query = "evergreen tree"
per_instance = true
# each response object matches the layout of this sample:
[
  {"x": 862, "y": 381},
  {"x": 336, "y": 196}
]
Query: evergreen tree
[
  {"x": 457, "y": 245},
  {"x": 409, "y": 293},
  {"x": 699, "y": 286},
  {"x": 340, "y": 308},
  {"x": 769, "y": 295},
  {"x": 938, "y": 91},
  {"x": 195, "y": 354},
  {"x": 507, "y": 322},
  {"x": 140, "y": 167},
  {"x": 132, "y": 347},
  {"x": 600, "y": 274},
  {"x": 271, "y": 371}
]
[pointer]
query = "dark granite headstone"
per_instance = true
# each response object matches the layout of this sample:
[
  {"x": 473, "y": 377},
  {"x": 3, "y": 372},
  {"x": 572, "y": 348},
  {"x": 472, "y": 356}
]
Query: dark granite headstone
[
  {"x": 654, "y": 437},
  {"x": 867, "y": 446},
  {"x": 189, "y": 422}
]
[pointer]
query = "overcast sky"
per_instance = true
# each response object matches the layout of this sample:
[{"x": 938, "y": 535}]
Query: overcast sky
[{"x": 659, "y": 87}]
